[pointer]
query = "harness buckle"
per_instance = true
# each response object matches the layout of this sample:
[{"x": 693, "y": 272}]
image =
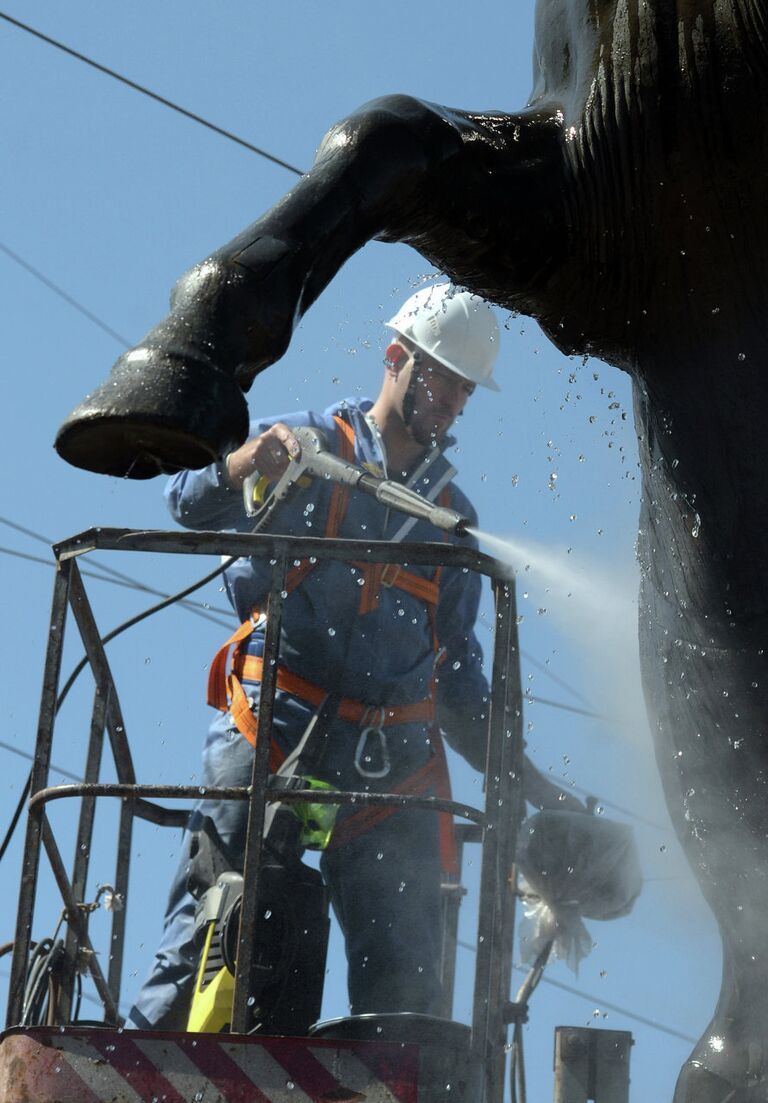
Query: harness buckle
[
  {"x": 363, "y": 755},
  {"x": 389, "y": 574},
  {"x": 373, "y": 717}
]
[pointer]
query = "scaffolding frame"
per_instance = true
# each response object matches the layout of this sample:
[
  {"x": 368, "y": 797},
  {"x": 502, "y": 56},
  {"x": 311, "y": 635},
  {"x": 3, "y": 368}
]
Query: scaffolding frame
[{"x": 497, "y": 823}]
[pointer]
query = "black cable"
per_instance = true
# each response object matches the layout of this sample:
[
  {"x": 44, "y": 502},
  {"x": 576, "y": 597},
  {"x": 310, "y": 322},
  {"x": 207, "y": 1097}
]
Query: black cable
[
  {"x": 157, "y": 608},
  {"x": 528, "y": 696},
  {"x": 45, "y": 957},
  {"x": 25, "y": 754},
  {"x": 595, "y": 1000},
  {"x": 84, "y": 661},
  {"x": 207, "y": 611},
  {"x": 64, "y": 295},
  {"x": 618, "y": 808},
  {"x": 152, "y": 95},
  {"x": 555, "y": 678},
  {"x": 15, "y": 817},
  {"x": 87, "y": 996}
]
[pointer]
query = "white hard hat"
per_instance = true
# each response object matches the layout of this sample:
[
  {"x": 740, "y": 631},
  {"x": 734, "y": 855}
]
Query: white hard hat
[{"x": 456, "y": 328}]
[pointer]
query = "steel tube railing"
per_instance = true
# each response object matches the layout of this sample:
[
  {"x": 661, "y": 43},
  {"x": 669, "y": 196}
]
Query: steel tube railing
[
  {"x": 246, "y": 951},
  {"x": 76, "y": 918},
  {"x": 272, "y": 796},
  {"x": 120, "y": 912},
  {"x": 83, "y": 841},
  {"x": 279, "y": 547},
  {"x": 503, "y": 799},
  {"x": 97, "y": 657},
  {"x": 39, "y": 779}
]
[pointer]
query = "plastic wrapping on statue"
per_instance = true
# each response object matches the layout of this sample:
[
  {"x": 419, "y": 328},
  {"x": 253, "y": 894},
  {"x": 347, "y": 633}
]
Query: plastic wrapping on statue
[{"x": 573, "y": 865}]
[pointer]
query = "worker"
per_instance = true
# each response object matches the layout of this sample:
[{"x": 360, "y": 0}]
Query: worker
[{"x": 390, "y": 654}]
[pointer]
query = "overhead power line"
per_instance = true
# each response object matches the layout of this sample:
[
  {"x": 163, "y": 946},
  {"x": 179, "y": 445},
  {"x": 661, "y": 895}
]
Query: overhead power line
[
  {"x": 212, "y": 613},
  {"x": 596, "y": 1000},
  {"x": 544, "y": 668},
  {"x": 31, "y": 757},
  {"x": 152, "y": 95},
  {"x": 536, "y": 700},
  {"x": 64, "y": 295},
  {"x": 191, "y": 606}
]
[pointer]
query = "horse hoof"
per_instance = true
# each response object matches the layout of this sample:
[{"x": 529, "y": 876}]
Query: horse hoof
[
  {"x": 157, "y": 413},
  {"x": 175, "y": 401}
]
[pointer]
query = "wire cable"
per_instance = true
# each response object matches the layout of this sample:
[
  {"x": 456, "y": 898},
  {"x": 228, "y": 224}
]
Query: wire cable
[
  {"x": 209, "y": 612},
  {"x": 594, "y": 1000},
  {"x": 126, "y": 624},
  {"x": 158, "y": 607},
  {"x": 191, "y": 606},
  {"x": 64, "y": 295},
  {"x": 559, "y": 705},
  {"x": 5, "y": 974},
  {"x": 152, "y": 95},
  {"x": 555, "y": 677},
  {"x": 31, "y": 758}
]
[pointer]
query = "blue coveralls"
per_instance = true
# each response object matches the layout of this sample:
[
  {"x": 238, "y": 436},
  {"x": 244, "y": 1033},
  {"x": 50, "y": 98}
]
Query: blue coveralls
[{"x": 385, "y": 883}]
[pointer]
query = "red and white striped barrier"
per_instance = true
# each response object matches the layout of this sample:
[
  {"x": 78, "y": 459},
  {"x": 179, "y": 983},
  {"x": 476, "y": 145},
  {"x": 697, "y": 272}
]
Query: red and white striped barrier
[{"x": 89, "y": 1065}]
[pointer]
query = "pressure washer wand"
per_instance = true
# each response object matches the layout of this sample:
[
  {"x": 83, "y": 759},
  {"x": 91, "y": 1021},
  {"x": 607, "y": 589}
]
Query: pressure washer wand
[{"x": 317, "y": 461}]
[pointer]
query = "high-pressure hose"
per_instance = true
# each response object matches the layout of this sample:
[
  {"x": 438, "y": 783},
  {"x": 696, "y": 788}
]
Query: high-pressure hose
[{"x": 315, "y": 460}]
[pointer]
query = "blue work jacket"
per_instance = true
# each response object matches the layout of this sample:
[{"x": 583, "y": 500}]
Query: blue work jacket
[{"x": 385, "y": 657}]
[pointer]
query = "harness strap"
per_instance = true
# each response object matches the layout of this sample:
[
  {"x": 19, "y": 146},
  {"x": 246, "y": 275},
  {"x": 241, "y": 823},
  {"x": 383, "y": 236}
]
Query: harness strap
[
  {"x": 376, "y": 575},
  {"x": 251, "y": 667},
  {"x": 337, "y": 506},
  {"x": 433, "y": 775}
]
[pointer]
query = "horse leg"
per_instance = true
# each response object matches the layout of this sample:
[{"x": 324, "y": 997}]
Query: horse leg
[{"x": 175, "y": 401}]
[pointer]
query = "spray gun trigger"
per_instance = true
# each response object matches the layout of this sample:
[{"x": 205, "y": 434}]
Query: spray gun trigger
[{"x": 259, "y": 492}]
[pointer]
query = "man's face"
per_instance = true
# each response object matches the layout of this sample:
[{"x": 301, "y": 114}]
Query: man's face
[{"x": 438, "y": 398}]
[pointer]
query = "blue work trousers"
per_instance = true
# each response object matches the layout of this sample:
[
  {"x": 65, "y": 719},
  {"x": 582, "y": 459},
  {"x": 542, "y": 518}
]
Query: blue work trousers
[{"x": 384, "y": 884}]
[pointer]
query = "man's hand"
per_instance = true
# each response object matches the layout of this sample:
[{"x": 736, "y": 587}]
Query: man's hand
[{"x": 269, "y": 454}]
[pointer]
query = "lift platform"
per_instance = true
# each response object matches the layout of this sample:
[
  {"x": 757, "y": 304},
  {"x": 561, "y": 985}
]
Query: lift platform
[{"x": 376, "y": 1058}]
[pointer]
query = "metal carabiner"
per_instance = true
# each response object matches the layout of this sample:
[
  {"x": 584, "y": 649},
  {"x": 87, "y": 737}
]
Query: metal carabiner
[{"x": 360, "y": 751}]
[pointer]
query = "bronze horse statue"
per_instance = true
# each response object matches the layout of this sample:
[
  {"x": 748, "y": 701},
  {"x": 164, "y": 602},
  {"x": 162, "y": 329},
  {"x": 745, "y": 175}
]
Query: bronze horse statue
[{"x": 625, "y": 209}]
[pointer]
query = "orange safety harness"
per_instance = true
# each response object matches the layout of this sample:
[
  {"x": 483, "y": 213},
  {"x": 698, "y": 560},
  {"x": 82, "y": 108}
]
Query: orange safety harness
[{"x": 226, "y": 693}]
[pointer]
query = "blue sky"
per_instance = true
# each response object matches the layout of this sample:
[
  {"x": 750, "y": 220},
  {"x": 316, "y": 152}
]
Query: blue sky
[{"x": 112, "y": 196}]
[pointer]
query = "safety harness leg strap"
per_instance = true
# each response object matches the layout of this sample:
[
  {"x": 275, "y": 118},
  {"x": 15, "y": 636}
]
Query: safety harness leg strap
[
  {"x": 251, "y": 667},
  {"x": 432, "y": 775},
  {"x": 217, "y": 674}
]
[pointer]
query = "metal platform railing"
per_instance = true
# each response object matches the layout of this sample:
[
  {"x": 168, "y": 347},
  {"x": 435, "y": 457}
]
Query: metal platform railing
[{"x": 498, "y": 821}]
